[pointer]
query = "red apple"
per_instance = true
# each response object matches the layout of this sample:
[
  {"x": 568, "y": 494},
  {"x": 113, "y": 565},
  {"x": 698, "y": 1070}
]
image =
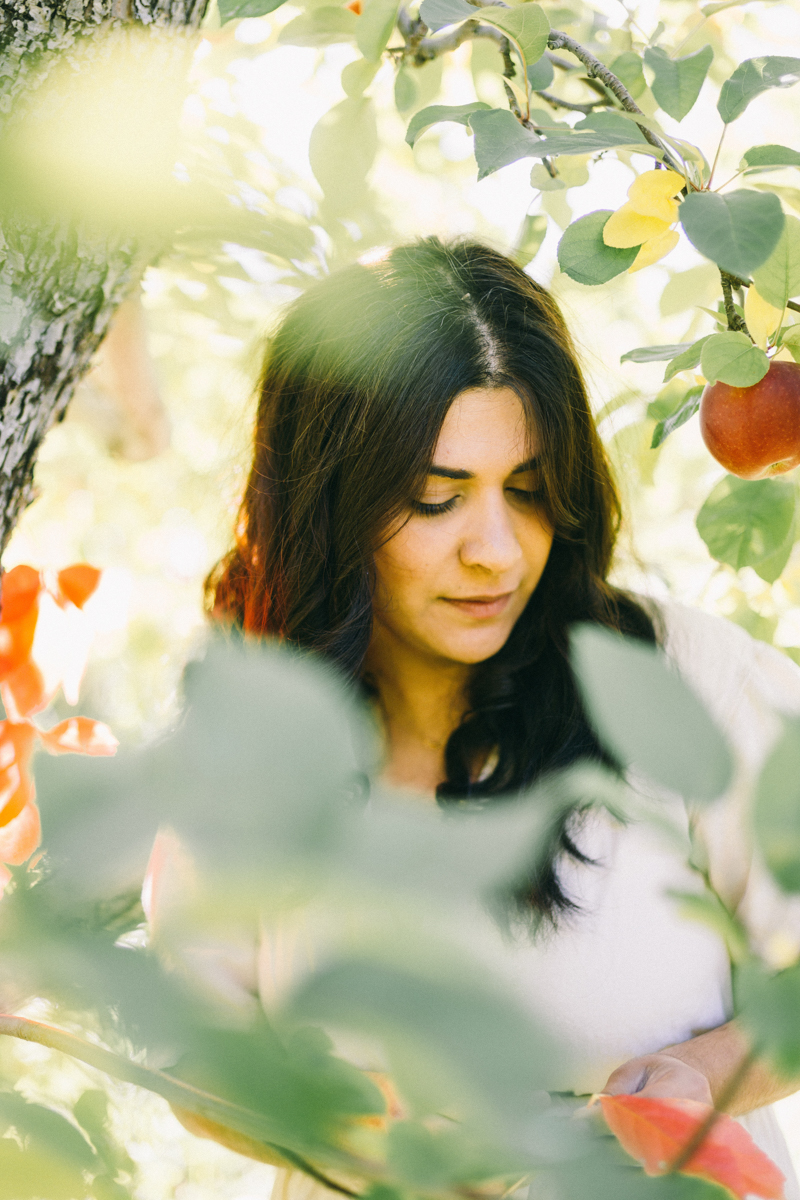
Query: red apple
[{"x": 755, "y": 431}]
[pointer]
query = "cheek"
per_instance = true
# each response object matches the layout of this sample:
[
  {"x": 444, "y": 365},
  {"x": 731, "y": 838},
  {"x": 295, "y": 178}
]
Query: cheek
[
  {"x": 536, "y": 541},
  {"x": 407, "y": 562}
]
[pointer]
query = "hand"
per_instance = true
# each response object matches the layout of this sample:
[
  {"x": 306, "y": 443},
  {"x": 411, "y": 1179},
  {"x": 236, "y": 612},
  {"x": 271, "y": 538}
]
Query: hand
[{"x": 659, "y": 1075}]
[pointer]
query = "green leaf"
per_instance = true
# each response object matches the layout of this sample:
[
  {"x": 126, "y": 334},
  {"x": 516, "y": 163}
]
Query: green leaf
[
  {"x": 655, "y": 353},
  {"x": 294, "y": 1078},
  {"x": 762, "y": 157},
  {"x": 91, "y": 1113},
  {"x": 791, "y": 340},
  {"x": 751, "y": 78},
  {"x": 46, "y": 1130},
  {"x": 235, "y": 10},
  {"x": 647, "y": 716},
  {"x": 357, "y": 76},
  {"x": 434, "y": 1161},
  {"x": 683, "y": 413},
  {"x": 678, "y": 81},
  {"x": 733, "y": 359},
  {"x": 438, "y": 13},
  {"x": 526, "y": 23},
  {"x": 347, "y": 133},
  {"x": 500, "y": 140},
  {"x": 777, "y": 808},
  {"x": 584, "y": 256},
  {"x": 590, "y": 141},
  {"x": 442, "y": 112},
  {"x": 320, "y": 27},
  {"x": 767, "y": 1004},
  {"x": 529, "y": 239},
  {"x": 697, "y": 285},
  {"x": 708, "y": 909},
  {"x": 738, "y": 230},
  {"x": 688, "y": 360},
  {"x": 778, "y": 280},
  {"x": 612, "y": 122},
  {"x": 28, "y": 1175},
  {"x": 470, "y": 1040},
  {"x": 789, "y": 195},
  {"x": 405, "y": 90},
  {"x": 540, "y": 74},
  {"x": 628, "y": 69},
  {"x": 375, "y": 27},
  {"x": 745, "y": 523}
]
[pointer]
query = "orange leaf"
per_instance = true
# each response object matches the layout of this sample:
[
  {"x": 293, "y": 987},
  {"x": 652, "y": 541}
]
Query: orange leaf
[
  {"x": 20, "y": 837},
  {"x": 79, "y": 735},
  {"x": 23, "y": 691},
  {"x": 16, "y": 785},
  {"x": 20, "y": 587},
  {"x": 78, "y": 582},
  {"x": 655, "y": 1132},
  {"x": 16, "y": 640}
]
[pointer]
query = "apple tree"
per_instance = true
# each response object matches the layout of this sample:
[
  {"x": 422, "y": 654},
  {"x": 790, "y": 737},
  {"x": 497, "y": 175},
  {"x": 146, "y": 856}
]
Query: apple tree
[{"x": 569, "y": 91}]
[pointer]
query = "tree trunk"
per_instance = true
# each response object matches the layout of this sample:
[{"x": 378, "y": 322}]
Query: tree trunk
[{"x": 60, "y": 281}]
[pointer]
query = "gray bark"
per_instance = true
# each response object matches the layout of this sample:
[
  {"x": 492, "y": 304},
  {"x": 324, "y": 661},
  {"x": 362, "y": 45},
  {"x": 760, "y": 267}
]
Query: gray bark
[{"x": 60, "y": 280}]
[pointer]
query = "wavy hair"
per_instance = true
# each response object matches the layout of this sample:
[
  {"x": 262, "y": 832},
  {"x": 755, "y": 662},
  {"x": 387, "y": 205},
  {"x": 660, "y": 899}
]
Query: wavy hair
[{"x": 357, "y": 382}]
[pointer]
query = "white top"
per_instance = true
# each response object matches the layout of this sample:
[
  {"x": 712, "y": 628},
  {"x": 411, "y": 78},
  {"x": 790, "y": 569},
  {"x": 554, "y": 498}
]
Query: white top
[{"x": 628, "y": 975}]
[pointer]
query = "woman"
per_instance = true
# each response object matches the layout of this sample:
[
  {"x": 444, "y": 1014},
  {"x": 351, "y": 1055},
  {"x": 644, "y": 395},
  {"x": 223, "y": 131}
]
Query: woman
[{"x": 430, "y": 508}]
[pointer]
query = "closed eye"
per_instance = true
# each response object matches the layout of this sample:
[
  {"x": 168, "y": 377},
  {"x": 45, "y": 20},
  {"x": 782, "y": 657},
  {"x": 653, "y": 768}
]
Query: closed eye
[
  {"x": 432, "y": 510},
  {"x": 526, "y": 495}
]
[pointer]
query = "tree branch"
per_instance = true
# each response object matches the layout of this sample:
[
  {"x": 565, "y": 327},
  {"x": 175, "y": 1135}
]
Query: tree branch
[
  {"x": 735, "y": 322},
  {"x": 597, "y": 70},
  {"x": 421, "y": 49},
  {"x": 431, "y": 47}
]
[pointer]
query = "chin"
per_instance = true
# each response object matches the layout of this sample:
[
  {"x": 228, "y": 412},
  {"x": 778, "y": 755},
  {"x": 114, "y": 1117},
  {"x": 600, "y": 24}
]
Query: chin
[{"x": 475, "y": 650}]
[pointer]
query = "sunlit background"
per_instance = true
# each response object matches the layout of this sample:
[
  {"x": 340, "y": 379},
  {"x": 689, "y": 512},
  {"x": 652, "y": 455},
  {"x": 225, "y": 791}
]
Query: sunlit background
[{"x": 144, "y": 475}]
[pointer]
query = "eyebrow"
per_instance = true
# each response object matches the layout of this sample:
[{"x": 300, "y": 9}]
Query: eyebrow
[{"x": 458, "y": 473}]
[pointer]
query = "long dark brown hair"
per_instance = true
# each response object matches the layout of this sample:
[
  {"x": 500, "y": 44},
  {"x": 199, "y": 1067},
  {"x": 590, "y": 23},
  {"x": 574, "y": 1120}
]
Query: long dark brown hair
[{"x": 357, "y": 383}]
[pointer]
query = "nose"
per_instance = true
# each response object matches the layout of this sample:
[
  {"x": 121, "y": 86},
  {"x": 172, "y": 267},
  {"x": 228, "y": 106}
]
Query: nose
[{"x": 490, "y": 541}]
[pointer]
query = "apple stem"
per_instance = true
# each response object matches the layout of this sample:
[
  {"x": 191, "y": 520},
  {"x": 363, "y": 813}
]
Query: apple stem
[{"x": 735, "y": 322}]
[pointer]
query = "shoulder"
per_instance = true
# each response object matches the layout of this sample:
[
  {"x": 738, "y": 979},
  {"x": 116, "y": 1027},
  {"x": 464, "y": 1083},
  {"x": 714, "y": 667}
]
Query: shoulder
[{"x": 743, "y": 682}]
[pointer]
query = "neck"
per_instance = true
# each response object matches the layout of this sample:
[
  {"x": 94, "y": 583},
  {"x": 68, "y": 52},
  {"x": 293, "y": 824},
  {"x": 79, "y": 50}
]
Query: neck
[{"x": 422, "y": 701}]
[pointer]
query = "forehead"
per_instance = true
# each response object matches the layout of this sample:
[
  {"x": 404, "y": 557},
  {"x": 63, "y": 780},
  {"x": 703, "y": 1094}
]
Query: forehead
[{"x": 484, "y": 428}]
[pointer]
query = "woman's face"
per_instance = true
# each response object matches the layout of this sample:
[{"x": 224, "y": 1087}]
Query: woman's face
[{"x": 454, "y": 578}]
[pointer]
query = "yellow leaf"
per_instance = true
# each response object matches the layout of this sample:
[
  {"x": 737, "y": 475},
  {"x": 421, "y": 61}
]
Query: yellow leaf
[
  {"x": 761, "y": 318},
  {"x": 652, "y": 192},
  {"x": 654, "y": 249},
  {"x": 626, "y": 227}
]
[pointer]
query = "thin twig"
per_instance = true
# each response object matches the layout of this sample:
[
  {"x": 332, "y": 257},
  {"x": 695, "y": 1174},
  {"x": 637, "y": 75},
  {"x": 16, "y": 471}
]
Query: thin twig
[
  {"x": 727, "y": 181},
  {"x": 735, "y": 322},
  {"x": 716, "y": 156},
  {"x": 557, "y": 102},
  {"x": 687, "y": 1152},
  {"x": 563, "y": 63},
  {"x": 695, "y": 29}
]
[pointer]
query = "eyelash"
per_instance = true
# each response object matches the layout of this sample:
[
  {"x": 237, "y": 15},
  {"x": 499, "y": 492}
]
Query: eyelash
[{"x": 434, "y": 510}]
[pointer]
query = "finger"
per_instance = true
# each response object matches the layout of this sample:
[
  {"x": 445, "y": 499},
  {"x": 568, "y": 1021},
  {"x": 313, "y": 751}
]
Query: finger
[
  {"x": 627, "y": 1079},
  {"x": 688, "y": 1085}
]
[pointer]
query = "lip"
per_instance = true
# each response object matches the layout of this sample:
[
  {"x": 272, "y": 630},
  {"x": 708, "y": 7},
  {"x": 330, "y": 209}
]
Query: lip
[{"x": 480, "y": 606}]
